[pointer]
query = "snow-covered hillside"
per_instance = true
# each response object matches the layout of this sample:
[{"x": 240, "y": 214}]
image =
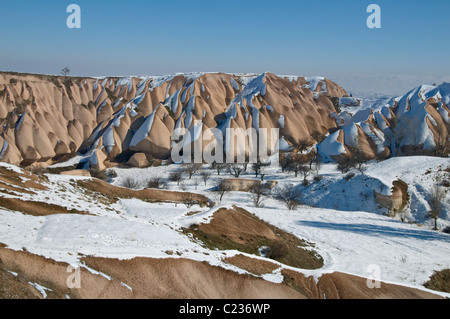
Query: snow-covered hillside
[{"x": 345, "y": 225}]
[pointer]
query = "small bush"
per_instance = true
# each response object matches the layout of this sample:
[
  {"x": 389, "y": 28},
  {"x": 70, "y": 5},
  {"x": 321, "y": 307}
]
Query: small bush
[
  {"x": 189, "y": 200},
  {"x": 276, "y": 251},
  {"x": 176, "y": 176},
  {"x": 129, "y": 182},
  {"x": 99, "y": 174},
  {"x": 289, "y": 195},
  {"x": 446, "y": 230},
  {"x": 349, "y": 176},
  {"x": 318, "y": 178},
  {"x": 157, "y": 183}
]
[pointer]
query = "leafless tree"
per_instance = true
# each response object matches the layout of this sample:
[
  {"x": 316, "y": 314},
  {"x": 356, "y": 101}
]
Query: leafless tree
[
  {"x": 219, "y": 167},
  {"x": 222, "y": 189},
  {"x": 297, "y": 162},
  {"x": 65, "y": 71},
  {"x": 360, "y": 159},
  {"x": 205, "y": 176},
  {"x": 176, "y": 176},
  {"x": 188, "y": 199},
  {"x": 157, "y": 183},
  {"x": 191, "y": 169},
  {"x": 289, "y": 195},
  {"x": 436, "y": 202},
  {"x": 236, "y": 169},
  {"x": 258, "y": 193},
  {"x": 305, "y": 171},
  {"x": 303, "y": 145},
  {"x": 396, "y": 134},
  {"x": 317, "y": 165},
  {"x": 345, "y": 164},
  {"x": 196, "y": 182},
  {"x": 317, "y": 136},
  {"x": 129, "y": 182},
  {"x": 285, "y": 161}
]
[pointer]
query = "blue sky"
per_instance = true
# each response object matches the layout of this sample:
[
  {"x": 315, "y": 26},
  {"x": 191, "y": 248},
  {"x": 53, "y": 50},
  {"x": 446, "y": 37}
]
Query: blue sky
[{"x": 327, "y": 37}]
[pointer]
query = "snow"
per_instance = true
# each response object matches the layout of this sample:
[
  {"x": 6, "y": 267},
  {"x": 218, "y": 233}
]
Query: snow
[
  {"x": 4, "y": 148},
  {"x": 40, "y": 288},
  {"x": 330, "y": 146},
  {"x": 346, "y": 228},
  {"x": 281, "y": 121},
  {"x": 125, "y": 81},
  {"x": 314, "y": 81},
  {"x": 234, "y": 84},
  {"x": 144, "y": 129}
]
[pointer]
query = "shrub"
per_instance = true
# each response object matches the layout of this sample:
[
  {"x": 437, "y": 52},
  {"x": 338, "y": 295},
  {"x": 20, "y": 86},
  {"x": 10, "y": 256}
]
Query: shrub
[
  {"x": 446, "y": 230},
  {"x": 258, "y": 192},
  {"x": 345, "y": 164},
  {"x": 176, "y": 176},
  {"x": 96, "y": 173},
  {"x": 318, "y": 178},
  {"x": 157, "y": 183},
  {"x": 129, "y": 182},
  {"x": 276, "y": 251},
  {"x": 188, "y": 199},
  {"x": 349, "y": 176},
  {"x": 289, "y": 195}
]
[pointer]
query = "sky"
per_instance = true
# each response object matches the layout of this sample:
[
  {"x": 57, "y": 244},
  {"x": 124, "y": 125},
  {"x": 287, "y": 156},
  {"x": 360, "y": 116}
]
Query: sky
[{"x": 287, "y": 37}]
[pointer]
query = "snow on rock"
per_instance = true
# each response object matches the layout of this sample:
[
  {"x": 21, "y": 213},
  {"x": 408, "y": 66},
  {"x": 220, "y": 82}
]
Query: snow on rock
[
  {"x": 143, "y": 130},
  {"x": 314, "y": 81},
  {"x": 331, "y": 146}
]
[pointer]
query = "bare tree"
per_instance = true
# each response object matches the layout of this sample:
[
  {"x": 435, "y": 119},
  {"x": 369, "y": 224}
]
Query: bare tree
[
  {"x": 196, "y": 182},
  {"x": 285, "y": 161},
  {"x": 191, "y": 169},
  {"x": 317, "y": 165},
  {"x": 289, "y": 195},
  {"x": 256, "y": 167},
  {"x": 157, "y": 183},
  {"x": 188, "y": 199},
  {"x": 317, "y": 136},
  {"x": 303, "y": 145},
  {"x": 258, "y": 193},
  {"x": 436, "y": 202},
  {"x": 396, "y": 134},
  {"x": 345, "y": 164},
  {"x": 205, "y": 176},
  {"x": 176, "y": 176},
  {"x": 296, "y": 163},
  {"x": 129, "y": 182},
  {"x": 65, "y": 71},
  {"x": 305, "y": 171},
  {"x": 222, "y": 189},
  {"x": 360, "y": 159},
  {"x": 236, "y": 169},
  {"x": 259, "y": 169},
  {"x": 219, "y": 167}
]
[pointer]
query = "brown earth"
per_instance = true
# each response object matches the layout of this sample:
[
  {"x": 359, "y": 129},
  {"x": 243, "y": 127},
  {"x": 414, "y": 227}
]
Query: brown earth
[
  {"x": 238, "y": 229},
  {"x": 252, "y": 265},
  {"x": 173, "y": 279},
  {"x": 115, "y": 192}
]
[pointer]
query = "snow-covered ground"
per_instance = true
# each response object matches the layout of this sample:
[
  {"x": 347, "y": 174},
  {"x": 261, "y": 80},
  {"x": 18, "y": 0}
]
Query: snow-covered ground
[{"x": 348, "y": 230}]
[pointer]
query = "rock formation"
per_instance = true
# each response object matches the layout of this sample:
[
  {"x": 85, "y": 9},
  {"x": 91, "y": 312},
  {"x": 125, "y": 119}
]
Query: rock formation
[{"x": 46, "y": 118}]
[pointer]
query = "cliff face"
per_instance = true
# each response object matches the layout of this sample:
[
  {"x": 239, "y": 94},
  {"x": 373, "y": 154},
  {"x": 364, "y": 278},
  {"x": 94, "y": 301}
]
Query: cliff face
[{"x": 45, "y": 118}]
